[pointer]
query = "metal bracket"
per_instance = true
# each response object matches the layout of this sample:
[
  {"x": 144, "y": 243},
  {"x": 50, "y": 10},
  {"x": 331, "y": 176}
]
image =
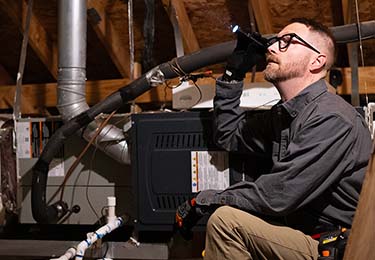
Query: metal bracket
[
  {"x": 355, "y": 80},
  {"x": 369, "y": 117}
]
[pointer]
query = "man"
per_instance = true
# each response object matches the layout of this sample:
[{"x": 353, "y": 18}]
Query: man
[{"x": 317, "y": 148}]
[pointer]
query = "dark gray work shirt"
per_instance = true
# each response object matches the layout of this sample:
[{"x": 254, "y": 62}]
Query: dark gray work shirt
[{"x": 318, "y": 148}]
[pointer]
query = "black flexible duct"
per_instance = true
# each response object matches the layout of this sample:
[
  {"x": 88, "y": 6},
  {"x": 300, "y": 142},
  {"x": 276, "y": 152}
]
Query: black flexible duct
[
  {"x": 43, "y": 213},
  {"x": 349, "y": 32}
]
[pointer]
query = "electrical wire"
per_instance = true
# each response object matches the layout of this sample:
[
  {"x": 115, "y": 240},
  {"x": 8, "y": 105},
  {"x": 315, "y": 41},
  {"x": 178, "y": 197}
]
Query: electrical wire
[
  {"x": 200, "y": 94},
  {"x": 78, "y": 159},
  {"x": 188, "y": 77},
  {"x": 88, "y": 183},
  {"x": 359, "y": 33}
]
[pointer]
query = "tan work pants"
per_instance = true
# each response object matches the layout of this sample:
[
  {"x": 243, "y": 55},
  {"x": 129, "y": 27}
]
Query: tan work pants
[{"x": 235, "y": 234}]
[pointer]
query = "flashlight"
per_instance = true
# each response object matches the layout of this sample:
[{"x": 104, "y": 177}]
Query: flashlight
[{"x": 236, "y": 29}]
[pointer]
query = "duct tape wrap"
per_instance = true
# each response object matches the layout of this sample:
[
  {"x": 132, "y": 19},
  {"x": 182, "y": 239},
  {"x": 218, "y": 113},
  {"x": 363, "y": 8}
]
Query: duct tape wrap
[{"x": 155, "y": 77}]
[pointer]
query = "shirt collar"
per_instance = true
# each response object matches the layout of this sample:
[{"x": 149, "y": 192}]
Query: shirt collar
[{"x": 296, "y": 104}]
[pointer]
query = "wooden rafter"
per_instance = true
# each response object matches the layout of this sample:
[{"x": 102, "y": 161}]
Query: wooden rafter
[
  {"x": 39, "y": 40},
  {"x": 262, "y": 15},
  {"x": 110, "y": 38},
  {"x": 347, "y": 10},
  {"x": 177, "y": 8}
]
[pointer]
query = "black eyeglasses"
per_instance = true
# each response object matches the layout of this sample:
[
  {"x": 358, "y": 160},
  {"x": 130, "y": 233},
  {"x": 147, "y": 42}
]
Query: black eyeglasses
[{"x": 286, "y": 39}]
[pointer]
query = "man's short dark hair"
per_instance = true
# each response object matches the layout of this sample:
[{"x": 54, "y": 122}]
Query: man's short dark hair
[{"x": 317, "y": 27}]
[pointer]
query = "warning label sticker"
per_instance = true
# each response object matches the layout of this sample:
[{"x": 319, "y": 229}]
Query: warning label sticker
[
  {"x": 32, "y": 137},
  {"x": 209, "y": 170}
]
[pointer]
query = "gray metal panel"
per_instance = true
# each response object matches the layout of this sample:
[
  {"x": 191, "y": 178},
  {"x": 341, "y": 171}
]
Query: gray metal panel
[
  {"x": 104, "y": 170},
  {"x": 77, "y": 196},
  {"x": 101, "y": 174}
]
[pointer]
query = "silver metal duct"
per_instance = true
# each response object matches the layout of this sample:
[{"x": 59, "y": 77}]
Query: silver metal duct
[{"x": 71, "y": 90}]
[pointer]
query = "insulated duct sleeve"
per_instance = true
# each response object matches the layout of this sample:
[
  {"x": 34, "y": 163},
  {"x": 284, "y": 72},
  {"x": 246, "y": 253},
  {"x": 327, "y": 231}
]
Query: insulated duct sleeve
[
  {"x": 188, "y": 63},
  {"x": 350, "y": 32}
]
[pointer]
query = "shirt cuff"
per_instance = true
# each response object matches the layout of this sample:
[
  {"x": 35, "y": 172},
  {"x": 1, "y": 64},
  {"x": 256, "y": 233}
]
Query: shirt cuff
[{"x": 228, "y": 89}]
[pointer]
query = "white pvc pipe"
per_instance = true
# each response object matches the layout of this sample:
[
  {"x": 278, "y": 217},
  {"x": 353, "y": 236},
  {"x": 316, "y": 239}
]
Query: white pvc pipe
[
  {"x": 91, "y": 239},
  {"x": 98, "y": 234},
  {"x": 111, "y": 203}
]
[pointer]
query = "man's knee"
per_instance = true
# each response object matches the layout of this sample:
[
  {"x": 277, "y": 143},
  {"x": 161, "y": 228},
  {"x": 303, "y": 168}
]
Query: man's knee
[
  {"x": 221, "y": 217},
  {"x": 229, "y": 218}
]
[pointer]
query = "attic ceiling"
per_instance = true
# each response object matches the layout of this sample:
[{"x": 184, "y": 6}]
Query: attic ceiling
[{"x": 202, "y": 23}]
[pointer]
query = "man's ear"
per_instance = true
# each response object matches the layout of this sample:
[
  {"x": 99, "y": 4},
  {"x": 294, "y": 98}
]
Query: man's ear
[{"x": 318, "y": 63}]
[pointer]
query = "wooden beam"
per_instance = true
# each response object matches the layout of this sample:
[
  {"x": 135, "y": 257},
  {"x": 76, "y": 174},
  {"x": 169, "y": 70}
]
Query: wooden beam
[
  {"x": 109, "y": 36},
  {"x": 366, "y": 81},
  {"x": 177, "y": 8},
  {"x": 359, "y": 244},
  {"x": 28, "y": 107},
  {"x": 262, "y": 16},
  {"x": 40, "y": 96},
  {"x": 39, "y": 40}
]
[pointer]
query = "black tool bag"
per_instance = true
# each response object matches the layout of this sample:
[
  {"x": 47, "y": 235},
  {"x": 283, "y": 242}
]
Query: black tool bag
[{"x": 332, "y": 244}]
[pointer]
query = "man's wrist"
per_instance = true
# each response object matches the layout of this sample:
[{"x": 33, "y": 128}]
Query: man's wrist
[
  {"x": 228, "y": 79},
  {"x": 232, "y": 76}
]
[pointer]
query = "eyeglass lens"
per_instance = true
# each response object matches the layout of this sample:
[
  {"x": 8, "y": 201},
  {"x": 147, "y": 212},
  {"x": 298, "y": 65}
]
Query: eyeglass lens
[{"x": 285, "y": 40}]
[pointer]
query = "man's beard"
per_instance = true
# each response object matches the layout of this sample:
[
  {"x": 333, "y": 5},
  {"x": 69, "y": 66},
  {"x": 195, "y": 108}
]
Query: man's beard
[{"x": 285, "y": 70}]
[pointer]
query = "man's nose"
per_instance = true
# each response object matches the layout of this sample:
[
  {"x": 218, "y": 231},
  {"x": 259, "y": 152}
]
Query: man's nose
[{"x": 273, "y": 48}]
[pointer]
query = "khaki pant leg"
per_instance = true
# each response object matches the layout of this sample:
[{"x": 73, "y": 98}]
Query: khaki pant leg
[{"x": 235, "y": 234}]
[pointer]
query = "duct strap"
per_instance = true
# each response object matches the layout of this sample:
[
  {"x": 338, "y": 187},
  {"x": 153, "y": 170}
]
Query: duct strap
[{"x": 149, "y": 34}]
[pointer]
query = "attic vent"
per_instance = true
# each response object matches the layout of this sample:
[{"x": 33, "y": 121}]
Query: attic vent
[
  {"x": 170, "y": 201},
  {"x": 178, "y": 141}
]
